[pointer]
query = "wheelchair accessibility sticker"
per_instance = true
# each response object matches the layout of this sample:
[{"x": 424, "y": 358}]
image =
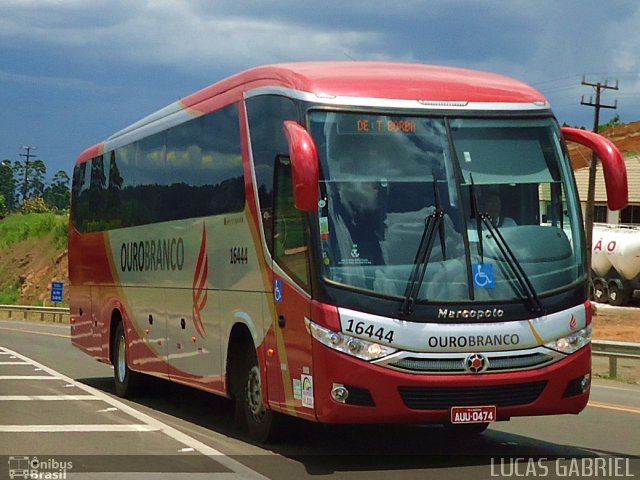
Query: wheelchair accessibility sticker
[
  {"x": 483, "y": 276},
  {"x": 277, "y": 290}
]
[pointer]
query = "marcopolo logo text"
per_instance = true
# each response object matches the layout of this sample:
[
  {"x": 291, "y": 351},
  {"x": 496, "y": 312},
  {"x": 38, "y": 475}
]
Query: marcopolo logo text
[{"x": 470, "y": 313}]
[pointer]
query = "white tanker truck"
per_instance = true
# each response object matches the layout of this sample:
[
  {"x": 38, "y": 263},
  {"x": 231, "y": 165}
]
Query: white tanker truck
[{"x": 615, "y": 263}]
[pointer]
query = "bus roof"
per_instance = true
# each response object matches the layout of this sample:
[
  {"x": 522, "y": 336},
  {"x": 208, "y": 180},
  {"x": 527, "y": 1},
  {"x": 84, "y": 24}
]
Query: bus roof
[
  {"x": 402, "y": 81},
  {"x": 374, "y": 80}
]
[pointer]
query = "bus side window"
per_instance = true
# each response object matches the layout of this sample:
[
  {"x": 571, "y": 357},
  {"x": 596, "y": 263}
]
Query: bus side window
[
  {"x": 266, "y": 114},
  {"x": 289, "y": 230}
]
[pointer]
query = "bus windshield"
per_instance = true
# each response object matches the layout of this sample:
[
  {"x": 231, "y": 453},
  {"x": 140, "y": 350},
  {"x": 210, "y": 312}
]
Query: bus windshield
[{"x": 383, "y": 176}]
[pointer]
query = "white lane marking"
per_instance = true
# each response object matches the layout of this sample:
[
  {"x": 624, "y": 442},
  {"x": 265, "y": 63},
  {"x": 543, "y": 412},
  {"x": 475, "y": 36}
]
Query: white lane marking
[
  {"x": 13, "y": 363},
  {"x": 27, "y": 377},
  {"x": 608, "y": 387},
  {"x": 22, "y": 398},
  {"x": 77, "y": 428},
  {"x": 110, "y": 409},
  {"x": 70, "y": 475},
  {"x": 200, "y": 447}
]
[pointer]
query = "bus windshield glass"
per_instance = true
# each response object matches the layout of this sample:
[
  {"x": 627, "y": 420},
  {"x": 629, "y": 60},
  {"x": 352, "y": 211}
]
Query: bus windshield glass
[{"x": 383, "y": 176}]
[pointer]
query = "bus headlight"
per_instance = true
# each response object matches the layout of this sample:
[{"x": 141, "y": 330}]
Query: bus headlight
[
  {"x": 356, "y": 347},
  {"x": 571, "y": 343}
]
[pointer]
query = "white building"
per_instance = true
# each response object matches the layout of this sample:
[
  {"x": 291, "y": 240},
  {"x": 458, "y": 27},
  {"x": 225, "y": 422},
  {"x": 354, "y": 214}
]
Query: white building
[{"x": 628, "y": 215}]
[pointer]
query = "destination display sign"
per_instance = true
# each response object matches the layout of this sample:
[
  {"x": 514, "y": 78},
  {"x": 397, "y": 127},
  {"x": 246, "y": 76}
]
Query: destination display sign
[{"x": 376, "y": 124}]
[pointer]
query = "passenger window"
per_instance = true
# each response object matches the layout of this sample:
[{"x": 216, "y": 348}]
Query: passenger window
[{"x": 290, "y": 228}]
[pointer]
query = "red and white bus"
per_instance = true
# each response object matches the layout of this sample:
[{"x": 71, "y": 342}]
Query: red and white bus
[{"x": 343, "y": 242}]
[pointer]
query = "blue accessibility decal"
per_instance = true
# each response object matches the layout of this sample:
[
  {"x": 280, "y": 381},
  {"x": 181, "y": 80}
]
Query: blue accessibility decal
[
  {"x": 483, "y": 276},
  {"x": 277, "y": 290}
]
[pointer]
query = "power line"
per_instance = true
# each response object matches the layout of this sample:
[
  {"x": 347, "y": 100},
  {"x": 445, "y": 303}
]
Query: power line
[
  {"x": 597, "y": 105},
  {"x": 28, "y": 157}
]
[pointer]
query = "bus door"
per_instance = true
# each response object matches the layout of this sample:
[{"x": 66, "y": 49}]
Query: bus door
[{"x": 289, "y": 371}]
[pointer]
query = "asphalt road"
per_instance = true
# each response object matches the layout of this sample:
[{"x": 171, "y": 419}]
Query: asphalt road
[{"x": 58, "y": 409}]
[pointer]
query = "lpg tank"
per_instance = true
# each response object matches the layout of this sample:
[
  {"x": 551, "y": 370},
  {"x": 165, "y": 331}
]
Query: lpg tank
[
  {"x": 615, "y": 262},
  {"x": 604, "y": 242},
  {"x": 616, "y": 247}
]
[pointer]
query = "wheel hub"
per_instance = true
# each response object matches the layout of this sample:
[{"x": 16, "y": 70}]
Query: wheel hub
[
  {"x": 254, "y": 393},
  {"x": 122, "y": 359}
]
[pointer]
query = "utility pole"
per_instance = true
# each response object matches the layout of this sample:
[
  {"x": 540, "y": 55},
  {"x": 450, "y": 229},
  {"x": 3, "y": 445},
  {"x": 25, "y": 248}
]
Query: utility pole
[
  {"x": 28, "y": 156},
  {"x": 591, "y": 193}
]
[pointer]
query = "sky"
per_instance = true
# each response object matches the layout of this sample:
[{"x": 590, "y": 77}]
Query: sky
[{"x": 72, "y": 72}]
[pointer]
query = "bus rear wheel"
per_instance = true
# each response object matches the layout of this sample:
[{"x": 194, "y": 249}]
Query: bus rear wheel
[
  {"x": 262, "y": 422},
  {"x": 127, "y": 381}
]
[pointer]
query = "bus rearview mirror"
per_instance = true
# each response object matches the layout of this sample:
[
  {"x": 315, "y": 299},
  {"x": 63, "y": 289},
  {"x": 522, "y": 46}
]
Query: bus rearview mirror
[{"x": 304, "y": 166}]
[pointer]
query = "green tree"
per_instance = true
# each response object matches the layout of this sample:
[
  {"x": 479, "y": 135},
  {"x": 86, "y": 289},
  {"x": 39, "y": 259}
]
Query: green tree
[
  {"x": 3, "y": 207},
  {"x": 7, "y": 185},
  {"x": 30, "y": 180},
  {"x": 34, "y": 205},
  {"x": 57, "y": 195},
  {"x": 614, "y": 121}
]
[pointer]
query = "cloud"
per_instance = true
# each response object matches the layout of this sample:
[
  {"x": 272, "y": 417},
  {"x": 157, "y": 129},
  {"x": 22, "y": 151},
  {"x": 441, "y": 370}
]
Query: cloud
[
  {"x": 68, "y": 83},
  {"x": 177, "y": 33}
]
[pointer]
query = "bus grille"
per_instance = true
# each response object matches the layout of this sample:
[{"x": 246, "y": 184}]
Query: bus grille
[
  {"x": 456, "y": 365},
  {"x": 443, "y": 398}
]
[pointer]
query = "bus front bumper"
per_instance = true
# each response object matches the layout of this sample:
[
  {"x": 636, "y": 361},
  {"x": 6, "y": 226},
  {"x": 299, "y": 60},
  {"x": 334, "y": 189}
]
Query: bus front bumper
[{"x": 377, "y": 394}]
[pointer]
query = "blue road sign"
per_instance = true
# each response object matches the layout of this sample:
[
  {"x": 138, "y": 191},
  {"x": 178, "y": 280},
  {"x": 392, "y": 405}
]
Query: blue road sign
[{"x": 57, "y": 291}]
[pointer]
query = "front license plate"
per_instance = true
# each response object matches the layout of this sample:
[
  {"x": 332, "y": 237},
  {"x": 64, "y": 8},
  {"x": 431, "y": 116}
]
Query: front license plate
[{"x": 473, "y": 414}]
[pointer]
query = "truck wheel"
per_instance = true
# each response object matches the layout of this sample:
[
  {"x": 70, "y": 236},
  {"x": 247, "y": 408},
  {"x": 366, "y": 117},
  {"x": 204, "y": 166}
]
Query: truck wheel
[
  {"x": 600, "y": 291},
  {"x": 127, "y": 381},
  {"x": 618, "y": 296},
  {"x": 262, "y": 422}
]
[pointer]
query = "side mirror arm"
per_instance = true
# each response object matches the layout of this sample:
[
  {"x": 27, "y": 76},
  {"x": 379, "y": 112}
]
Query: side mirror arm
[{"x": 613, "y": 166}]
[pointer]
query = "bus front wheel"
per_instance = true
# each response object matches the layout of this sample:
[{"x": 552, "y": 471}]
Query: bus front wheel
[
  {"x": 261, "y": 421},
  {"x": 127, "y": 381}
]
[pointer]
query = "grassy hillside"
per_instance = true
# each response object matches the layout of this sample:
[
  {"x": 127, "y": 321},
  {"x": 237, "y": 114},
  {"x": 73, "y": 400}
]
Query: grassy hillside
[{"x": 32, "y": 254}]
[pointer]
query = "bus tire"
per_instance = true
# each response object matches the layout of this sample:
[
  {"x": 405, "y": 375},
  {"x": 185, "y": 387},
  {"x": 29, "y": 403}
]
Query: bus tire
[
  {"x": 127, "y": 382},
  {"x": 466, "y": 428},
  {"x": 261, "y": 421}
]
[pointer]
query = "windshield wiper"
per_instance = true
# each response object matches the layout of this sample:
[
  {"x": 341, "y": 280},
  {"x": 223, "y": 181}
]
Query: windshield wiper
[
  {"x": 477, "y": 215},
  {"x": 516, "y": 267},
  {"x": 436, "y": 196},
  {"x": 432, "y": 223},
  {"x": 483, "y": 218}
]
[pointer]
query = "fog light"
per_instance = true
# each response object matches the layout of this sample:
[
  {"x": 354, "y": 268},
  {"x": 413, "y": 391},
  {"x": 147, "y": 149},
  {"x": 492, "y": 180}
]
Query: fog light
[
  {"x": 577, "y": 386},
  {"x": 339, "y": 393},
  {"x": 586, "y": 382}
]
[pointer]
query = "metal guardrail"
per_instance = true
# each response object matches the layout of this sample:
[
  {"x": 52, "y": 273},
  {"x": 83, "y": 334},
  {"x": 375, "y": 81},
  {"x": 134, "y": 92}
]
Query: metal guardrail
[
  {"x": 615, "y": 350},
  {"x": 24, "y": 312}
]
